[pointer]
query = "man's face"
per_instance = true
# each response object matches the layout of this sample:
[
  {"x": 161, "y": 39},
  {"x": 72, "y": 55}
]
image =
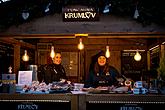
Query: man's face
[
  {"x": 57, "y": 59},
  {"x": 102, "y": 60}
]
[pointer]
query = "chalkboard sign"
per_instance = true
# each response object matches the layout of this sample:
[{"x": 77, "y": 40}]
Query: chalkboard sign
[
  {"x": 35, "y": 105},
  {"x": 131, "y": 68},
  {"x": 124, "y": 106}
]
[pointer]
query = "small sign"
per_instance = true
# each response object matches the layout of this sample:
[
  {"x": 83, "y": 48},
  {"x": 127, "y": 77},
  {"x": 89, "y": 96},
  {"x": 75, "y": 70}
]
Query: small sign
[
  {"x": 71, "y": 14},
  {"x": 25, "y": 77}
]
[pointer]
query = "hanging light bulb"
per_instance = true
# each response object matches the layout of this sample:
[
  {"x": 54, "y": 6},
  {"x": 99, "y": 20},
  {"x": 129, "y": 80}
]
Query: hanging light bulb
[
  {"x": 80, "y": 45},
  {"x": 52, "y": 53},
  {"x": 137, "y": 56},
  {"x": 25, "y": 57},
  {"x": 107, "y": 53}
]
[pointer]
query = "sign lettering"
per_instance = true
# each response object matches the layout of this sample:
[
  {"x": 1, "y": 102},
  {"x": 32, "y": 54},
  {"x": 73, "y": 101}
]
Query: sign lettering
[
  {"x": 27, "y": 107},
  {"x": 80, "y": 14}
]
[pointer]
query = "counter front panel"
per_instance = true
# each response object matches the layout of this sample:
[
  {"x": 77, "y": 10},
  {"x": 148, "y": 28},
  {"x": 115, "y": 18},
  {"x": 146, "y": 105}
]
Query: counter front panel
[
  {"x": 81, "y": 102},
  {"x": 34, "y": 105},
  {"x": 124, "y": 102},
  {"x": 36, "y": 101}
]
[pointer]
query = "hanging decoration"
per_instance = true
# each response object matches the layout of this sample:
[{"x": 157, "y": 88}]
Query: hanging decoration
[
  {"x": 107, "y": 8},
  {"x": 136, "y": 13}
]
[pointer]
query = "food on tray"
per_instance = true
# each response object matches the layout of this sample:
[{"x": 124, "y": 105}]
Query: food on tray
[
  {"x": 121, "y": 89},
  {"x": 108, "y": 89},
  {"x": 100, "y": 89}
]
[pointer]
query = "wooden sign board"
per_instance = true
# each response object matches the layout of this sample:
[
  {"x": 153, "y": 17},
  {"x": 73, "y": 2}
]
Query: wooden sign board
[{"x": 71, "y": 14}]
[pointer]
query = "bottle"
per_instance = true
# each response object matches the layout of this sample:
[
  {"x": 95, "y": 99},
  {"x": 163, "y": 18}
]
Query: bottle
[{"x": 10, "y": 70}]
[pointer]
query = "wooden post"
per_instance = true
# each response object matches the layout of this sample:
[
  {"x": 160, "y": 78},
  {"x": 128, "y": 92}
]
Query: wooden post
[{"x": 16, "y": 58}]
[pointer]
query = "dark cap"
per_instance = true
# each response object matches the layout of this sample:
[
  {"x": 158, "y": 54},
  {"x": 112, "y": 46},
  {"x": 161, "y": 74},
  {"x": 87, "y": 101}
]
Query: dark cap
[
  {"x": 95, "y": 58},
  {"x": 101, "y": 53}
]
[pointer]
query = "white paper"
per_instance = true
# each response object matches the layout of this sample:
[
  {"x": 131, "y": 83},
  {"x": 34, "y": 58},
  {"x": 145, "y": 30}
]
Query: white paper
[{"x": 25, "y": 77}]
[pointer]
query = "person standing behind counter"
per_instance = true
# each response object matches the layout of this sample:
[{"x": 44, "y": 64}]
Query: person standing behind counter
[
  {"x": 53, "y": 72},
  {"x": 101, "y": 74}
]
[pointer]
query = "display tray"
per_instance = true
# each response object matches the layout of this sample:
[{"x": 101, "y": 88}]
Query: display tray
[
  {"x": 107, "y": 90},
  {"x": 52, "y": 91},
  {"x": 34, "y": 92}
]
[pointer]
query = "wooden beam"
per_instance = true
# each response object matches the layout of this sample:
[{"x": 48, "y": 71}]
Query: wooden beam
[
  {"x": 17, "y": 42},
  {"x": 92, "y": 35}
]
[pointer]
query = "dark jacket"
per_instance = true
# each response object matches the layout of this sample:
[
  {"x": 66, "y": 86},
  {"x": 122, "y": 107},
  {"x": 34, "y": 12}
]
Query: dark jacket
[
  {"x": 51, "y": 73},
  {"x": 102, "y": 79}
]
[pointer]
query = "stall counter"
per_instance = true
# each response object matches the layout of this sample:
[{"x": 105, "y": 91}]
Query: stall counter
[{"x": 68, "y": 101}]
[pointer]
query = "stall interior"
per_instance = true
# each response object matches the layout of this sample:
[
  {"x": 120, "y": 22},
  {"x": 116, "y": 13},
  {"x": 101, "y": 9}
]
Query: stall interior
[{"x": 76, "y": 62}]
